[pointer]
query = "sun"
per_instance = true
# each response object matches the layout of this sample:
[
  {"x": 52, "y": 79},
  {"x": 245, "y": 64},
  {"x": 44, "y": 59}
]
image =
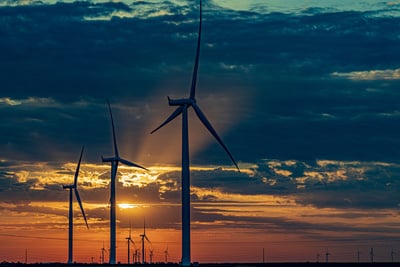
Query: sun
[{"x": 127, "y": 206}]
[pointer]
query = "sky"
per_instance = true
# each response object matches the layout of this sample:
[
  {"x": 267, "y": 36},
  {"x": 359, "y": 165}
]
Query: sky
[{"x": 303, "y": 93}]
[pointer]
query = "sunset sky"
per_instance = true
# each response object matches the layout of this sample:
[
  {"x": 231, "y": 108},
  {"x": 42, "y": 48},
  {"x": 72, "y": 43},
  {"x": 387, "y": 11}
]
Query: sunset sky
[{"x": 305, "y": 94}]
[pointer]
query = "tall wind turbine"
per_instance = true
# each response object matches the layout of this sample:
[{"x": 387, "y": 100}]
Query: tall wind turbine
[
  {"x": 143, "y": 237},
  {"x": 182, "y": 108},
  {"x": 114, "y": 168},
  {"x": 129, "y": 240},
  {"x": 74, "y": 187}
]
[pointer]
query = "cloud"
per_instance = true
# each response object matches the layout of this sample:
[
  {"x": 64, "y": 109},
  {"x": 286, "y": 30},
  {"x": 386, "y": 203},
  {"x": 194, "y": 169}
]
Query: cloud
[
  {"x": 31, "y": 101},
  {"x": 322, "y": 184},
  {"x": 370, "y": 75},
  {"x": 276, "y": 68},
  {"x": 60, "y": 68},
  {"x": 20, "y": 2}
]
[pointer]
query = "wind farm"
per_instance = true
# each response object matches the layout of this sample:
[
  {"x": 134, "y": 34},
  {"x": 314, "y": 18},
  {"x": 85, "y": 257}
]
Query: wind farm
[{"x": 301, "y": 96}]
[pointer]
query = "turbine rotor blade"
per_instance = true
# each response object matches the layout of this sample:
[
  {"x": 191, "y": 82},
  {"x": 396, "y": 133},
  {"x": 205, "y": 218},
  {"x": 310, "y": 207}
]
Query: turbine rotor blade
[
  {"x": 77, "y": 168},
  {"x": 196, "y": 64},
  {"x": 170, "y": 118},
  {"x": 113, "y": 129},
  {"x": 208, "y": 125},
  {"x": 128, "y": 163},
  {"x": 81, "y": 206},
  {"x": 148, "y": 240}
]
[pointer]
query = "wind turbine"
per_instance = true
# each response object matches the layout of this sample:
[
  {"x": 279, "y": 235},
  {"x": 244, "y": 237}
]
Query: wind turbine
[
  {"x": 327, "y": 256},
  {"x": 129, "y": 240},
  {"x": 143, "y": 237},
  {"x": 182, "y": 108},
  {"x": 103, "y": 250},
  {"x": 166, "y": 254},
  {"x": 114, "y": 168},
  {"x": 392, "y": 255},
  {"x": 136, "y": 256},
  {"x": 371, "y": 254},
  {"x": 151, "y": 255},
  {"x": 74, "y": 187}
]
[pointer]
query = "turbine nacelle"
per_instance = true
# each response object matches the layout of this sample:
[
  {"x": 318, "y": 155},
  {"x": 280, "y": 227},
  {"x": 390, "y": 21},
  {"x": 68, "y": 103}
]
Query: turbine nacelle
[
  {"x": 103, "y": 159},
  {"x": 70, "y": 186},
  {"x": 181, "y": 102}
]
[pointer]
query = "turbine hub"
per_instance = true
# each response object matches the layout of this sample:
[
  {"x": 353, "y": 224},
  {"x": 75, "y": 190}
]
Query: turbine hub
[{"x": 181, "y": 102}]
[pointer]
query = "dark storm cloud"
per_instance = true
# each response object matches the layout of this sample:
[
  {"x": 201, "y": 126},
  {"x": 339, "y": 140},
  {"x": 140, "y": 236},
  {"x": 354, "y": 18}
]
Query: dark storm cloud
[
  {"x": 12, "y": 191},
  {"x": 333, "y": 184},
  {"x": 71, "y": 53}
]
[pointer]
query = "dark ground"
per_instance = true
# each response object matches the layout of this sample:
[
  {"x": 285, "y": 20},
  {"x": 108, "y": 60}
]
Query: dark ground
[{"x": 300, "y": 264}]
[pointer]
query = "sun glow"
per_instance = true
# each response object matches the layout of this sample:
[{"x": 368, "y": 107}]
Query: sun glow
[{"x": 127, "y": 206}]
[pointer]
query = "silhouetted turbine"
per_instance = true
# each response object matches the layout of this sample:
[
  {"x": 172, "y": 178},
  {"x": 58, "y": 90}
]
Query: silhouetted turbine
[
  {"x": 103, "y": 250},
  {"x": 143, "y": 237},
  {"x": 114, "y": 168},
  {"x": 166, "y": 254},
  {"x": 129, "y": 240},
  {"x": 74, "y": 187},
  {"x": 183, "y": 106}
]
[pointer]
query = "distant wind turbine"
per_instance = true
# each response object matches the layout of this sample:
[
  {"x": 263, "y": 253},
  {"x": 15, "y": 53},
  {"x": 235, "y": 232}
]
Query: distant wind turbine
[
  {"x": 392, "y": 253},
  {"x": 136, "y": 256},
  {"x": 166, "y": 254},
  {"x": 114, "y": 168},
  {"x": 371, "y": 254},
  {"x": 151, "y": 255},
  {"x": 74, "y": 187},
  {"x": 182, "y": 108},
  {"x": 143, "y": 237},
  {"x": 129, "y": 240},
  {"x": 103, "y": 250},
  {"x": 327, "y": 256}
]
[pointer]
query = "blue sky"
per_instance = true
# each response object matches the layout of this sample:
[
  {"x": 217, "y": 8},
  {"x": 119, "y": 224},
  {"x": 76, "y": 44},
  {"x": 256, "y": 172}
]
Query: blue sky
[{"x": 304, "y": 94}]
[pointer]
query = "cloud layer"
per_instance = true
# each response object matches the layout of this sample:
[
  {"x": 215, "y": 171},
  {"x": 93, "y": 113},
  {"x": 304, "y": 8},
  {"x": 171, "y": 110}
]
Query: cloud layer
[
  {"x": 301, "y": 86},
  {"x": 304, "y": 96}
]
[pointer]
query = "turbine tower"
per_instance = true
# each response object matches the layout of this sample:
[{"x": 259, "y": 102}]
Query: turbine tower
[
  {"x": 114, "y": 168},
  {"x": 129, "y": 240},
  {"x": 143, "y": 237},
  {"x": 182, "y": 108},
  {"x": 74, "y": 187}
]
